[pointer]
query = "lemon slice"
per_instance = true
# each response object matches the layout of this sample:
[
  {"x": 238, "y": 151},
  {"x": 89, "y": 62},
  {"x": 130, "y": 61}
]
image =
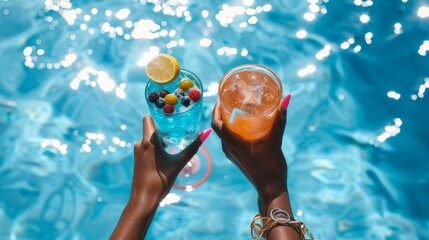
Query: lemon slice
[{"x": 163, "y": 69}]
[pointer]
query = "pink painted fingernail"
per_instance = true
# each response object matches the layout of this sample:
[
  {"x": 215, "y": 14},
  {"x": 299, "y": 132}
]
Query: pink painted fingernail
[
  {"x": 285, "y": 102},
  {"x": 205, "y": 134}
]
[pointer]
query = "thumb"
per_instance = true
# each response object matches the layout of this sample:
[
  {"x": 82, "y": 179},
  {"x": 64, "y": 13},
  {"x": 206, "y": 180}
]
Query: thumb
[{"x": 192, "y": 149}]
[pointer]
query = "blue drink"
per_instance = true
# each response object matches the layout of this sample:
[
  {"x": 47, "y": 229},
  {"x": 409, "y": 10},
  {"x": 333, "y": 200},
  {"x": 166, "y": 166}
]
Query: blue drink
[{"x": 183, "y": 125}]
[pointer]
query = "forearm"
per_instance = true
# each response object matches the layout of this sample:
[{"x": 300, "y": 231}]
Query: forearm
[{"x": 135, "y": 219}]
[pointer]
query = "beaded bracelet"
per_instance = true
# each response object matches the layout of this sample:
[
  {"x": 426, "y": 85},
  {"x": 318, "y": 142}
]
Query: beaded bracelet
[{"x": 260, "y": 225}]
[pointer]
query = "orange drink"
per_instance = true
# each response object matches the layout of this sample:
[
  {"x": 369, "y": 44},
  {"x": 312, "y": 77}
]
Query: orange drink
[{"x": 249, "y": 97}]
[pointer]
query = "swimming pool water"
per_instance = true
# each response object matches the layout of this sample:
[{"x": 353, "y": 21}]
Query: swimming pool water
[{"x": 72, "y": 99}]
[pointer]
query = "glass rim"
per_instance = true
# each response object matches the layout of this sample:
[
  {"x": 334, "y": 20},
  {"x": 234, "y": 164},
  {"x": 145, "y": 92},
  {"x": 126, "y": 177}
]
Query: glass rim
[
  {"x": 251, "y": 67},
  {"x": 159, "y": 110}
]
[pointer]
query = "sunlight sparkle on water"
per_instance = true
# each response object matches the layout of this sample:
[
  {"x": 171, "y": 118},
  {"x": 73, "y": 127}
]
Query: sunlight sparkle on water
[
  {"x": 397, "y": 28},
  {"x": 69, "y": 59},
  {"x": 145, "y": 29},
  {"x": 147, "y": 56},
  {"x": 301, "y": 34},
  {"x": 394, "y": 95},
  {"x": 423, "y": 12},
  {"x": 27, "y": 51},
  {"x": 424, "y": 48},
  {"x": 324, "y": 52},
  {"x": 122, "y": 13},
  {"x": 357, "y": 49},
  {"x": 307, "y": 70},
  {"x": 309, "y": 16},
  {"x": 205, "y": 42},
  {"x": 170, "y": 199},
  {"x": 368, "y": 37},
  {"x": 390, "y": 130},
  {"x": 345, "y": 45},
  {"x": 93, "y": 78},
  {"x": 364, "y": 18},
  {"x": 228, "y": 13},
  {"x": 56, "y": 144},
  {"x": 253, "y": 20},
  {"x": 227, "y": 51},
  {"x": 422, "y": 90},
  {"x": 314, "y": 8},
  {"x": 248, "y": 3}
]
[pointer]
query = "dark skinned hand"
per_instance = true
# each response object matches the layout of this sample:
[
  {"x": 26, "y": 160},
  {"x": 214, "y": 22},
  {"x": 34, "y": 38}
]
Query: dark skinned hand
[
  {"x": 260, "y": 160},
  {"x": 154, "y": 174},
  {"x": 263, "y": 163}
]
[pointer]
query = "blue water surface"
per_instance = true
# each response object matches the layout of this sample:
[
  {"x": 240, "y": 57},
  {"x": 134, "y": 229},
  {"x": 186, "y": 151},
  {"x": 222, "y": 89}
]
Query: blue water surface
[{"x": 72, "y": 100}]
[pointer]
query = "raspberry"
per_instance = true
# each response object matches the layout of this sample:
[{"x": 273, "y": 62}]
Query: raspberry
[
  {"x": 179, "y": 93},
  {"x": 186, "y": 101},
  {"x": 160, "y": 103},
  {"x": 168, "y": 109},
  {"x": 163, "y": 93},
  {"x": 153, "y": 96},
  {"x": 195, "y": 95},
  {"x": 171, "y": 99}
]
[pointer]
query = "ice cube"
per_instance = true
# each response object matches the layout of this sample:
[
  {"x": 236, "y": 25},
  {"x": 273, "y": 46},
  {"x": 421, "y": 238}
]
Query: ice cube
[
  {"x": 237, "y": 92},
  {"x": 257, "y": 93},
  {"x": 269, "y": 96}
]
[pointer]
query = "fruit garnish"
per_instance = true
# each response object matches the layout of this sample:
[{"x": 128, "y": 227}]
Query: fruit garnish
[
  {"x": 168, "y": 109},
  {"x": 163, "y": 93},
  {"x": 163, "y": 69},
  {"x": 186, "y": 84},
  {"x": 179, "y": 93},
  {"x": 171, "y": 99},
  {"x": 153, "y": 96},
  {"x": 185, "y": 101},
  {"x": 160, "y": 103},
  {"x": 194, "y": 94}
]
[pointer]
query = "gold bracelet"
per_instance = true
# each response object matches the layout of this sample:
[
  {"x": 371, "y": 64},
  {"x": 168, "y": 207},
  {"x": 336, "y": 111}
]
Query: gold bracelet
[{"x": 260, "y": 225}]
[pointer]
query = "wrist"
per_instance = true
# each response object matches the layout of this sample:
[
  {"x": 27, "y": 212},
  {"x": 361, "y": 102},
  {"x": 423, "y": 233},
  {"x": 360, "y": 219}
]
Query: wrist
[
  {"x": 143, "y": 203},
  {"x": 281, "y": 201},
  {"x": 271, "y": 191}
]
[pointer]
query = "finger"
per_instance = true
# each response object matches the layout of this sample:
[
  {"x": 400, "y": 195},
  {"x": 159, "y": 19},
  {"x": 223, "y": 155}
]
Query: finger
[
  {"x": 283, "y": 109},
  {"x": 148, "y": 127},
  {"x": 280, "y": 120},
  {"x": 192, "y": 149},
  {"x": 217, "y": 119}
]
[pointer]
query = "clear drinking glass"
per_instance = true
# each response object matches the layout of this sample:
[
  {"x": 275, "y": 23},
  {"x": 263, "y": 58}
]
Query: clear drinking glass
[
  {"x": 250, "y": 96},
  {"x": 180, "y": 128}
]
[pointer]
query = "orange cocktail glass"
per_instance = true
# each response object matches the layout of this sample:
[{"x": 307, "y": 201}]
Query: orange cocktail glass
[{"x": 250, "y": 96}]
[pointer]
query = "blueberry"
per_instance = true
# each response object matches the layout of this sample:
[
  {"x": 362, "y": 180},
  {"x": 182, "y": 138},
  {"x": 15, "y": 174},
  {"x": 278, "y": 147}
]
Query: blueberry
[
  {"x": 186, "y": 101},
  {"x": 179, "y": 93},
  {"x": 160, "y": 103},
  {"x": 153, "y": 96}
]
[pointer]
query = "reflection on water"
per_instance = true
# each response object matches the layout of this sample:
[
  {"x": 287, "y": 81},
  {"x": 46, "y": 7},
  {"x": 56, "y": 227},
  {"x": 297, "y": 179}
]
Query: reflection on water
[{"x": 71, "y": 104}]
